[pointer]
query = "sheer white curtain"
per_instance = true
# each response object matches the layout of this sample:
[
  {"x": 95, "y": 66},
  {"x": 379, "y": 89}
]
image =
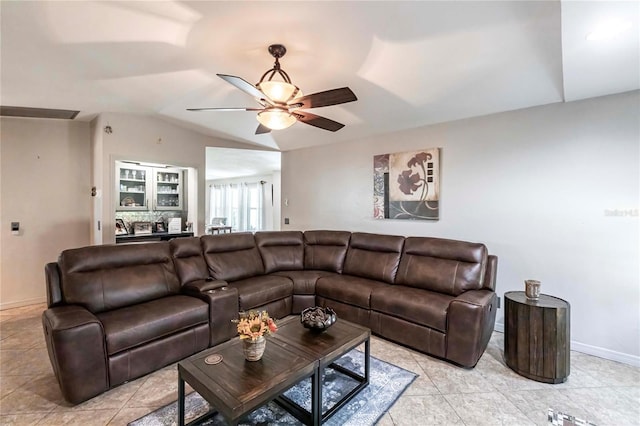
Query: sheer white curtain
[{"x": 241, "y": 204}]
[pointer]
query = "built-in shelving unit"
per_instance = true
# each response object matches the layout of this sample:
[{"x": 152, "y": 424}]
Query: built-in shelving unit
[
  {"x": 167, "y": 189},
  {"x": 132, "y": 187},
  {"x": 148, "y": 188}
]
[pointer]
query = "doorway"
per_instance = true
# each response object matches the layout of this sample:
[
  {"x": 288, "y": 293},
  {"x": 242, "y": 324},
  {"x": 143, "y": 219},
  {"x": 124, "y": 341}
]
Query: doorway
[{"x": 242, "y": 189}]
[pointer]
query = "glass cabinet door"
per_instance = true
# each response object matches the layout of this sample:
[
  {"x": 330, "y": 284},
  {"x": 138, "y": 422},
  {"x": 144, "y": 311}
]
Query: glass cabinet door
[
  {"x": 167, "y": 189},
  {"x": 132, "y": 187}
]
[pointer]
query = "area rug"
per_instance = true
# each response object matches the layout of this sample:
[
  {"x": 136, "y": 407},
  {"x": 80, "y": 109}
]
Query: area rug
[{"x": 387, "y": 382}]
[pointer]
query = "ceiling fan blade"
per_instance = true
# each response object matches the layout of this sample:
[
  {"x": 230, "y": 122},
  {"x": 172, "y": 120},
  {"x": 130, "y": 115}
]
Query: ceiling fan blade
[
  {"x": 225, "y": 109},
  {"x": 326, "y": 98},
  {"x": 245, "y": 86},
  {"x": 262, "y": 129},
  {"x": 317, "y": 121}
]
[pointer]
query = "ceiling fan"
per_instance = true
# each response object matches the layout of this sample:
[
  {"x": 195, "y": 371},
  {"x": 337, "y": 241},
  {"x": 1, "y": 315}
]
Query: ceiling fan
[{"x": 282, "y": 101}]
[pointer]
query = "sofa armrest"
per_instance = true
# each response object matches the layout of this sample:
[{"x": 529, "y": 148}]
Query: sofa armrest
[
  {"x": 201, "y": 286},
  {"x": 223, "y": 307},
  {"x": 491, "y": 273},
  {"x": 470, "y": 321},
  {"x": 76, "y": 345},
  {"x": 54, "y": 289}
]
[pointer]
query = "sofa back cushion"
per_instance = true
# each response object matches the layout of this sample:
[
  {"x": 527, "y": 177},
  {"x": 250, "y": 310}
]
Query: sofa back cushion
[
  {"x": 188, "y": 259},
  {"x": 325, "y": 250},
  {"x": 446, "y": 266},
  {"x": 281, "y": 250},
  {"x": 374, "y": 256},
  {"x": 102, "y": 278},
  {"x": 232, "y": 257}
]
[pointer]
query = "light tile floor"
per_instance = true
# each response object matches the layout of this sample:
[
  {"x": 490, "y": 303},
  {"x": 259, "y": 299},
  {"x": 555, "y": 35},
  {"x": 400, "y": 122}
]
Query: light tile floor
[{"x": 602, "y": 391}]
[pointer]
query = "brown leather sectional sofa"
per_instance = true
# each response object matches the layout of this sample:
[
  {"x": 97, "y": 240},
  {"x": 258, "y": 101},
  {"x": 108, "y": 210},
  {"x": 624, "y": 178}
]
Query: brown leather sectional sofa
[{"x": 119, "y": 312}]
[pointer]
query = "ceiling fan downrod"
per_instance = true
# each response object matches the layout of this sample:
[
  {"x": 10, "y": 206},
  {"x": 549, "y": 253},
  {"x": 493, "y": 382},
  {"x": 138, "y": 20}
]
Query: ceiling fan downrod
[{"x": 277, "y": 51}]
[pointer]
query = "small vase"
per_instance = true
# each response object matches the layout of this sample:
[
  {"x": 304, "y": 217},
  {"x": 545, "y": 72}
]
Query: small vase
[
  {"x": 253, "y": 349},
  {"x": 532, "y": 289}
]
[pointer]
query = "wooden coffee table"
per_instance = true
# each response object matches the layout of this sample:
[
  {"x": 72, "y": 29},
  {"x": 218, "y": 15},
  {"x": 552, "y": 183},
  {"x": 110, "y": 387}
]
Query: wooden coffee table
[{"x": 236, "y": 387}]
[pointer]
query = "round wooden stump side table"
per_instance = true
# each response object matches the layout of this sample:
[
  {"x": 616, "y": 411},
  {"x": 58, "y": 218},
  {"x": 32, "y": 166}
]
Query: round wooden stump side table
[{"x": 537, "y": 336}]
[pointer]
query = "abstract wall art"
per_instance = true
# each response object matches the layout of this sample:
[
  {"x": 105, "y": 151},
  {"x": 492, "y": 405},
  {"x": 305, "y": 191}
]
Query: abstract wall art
[{"x": 406, "y": 185}]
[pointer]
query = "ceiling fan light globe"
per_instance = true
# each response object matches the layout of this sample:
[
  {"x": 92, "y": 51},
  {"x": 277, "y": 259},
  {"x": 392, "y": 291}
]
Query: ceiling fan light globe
[
  {"x": 276, "y": 119},
  {"x": 278, "y": 91}
]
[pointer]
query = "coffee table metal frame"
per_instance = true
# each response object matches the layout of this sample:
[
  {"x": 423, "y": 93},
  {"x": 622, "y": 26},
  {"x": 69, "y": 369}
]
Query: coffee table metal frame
[
  {"x": 310, "y": 362},
  {"x": 293, "y": 333}
]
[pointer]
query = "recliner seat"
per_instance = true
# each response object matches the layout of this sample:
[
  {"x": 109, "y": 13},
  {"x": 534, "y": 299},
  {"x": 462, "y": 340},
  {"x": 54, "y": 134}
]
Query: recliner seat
[{"x": 117, "y": 314}]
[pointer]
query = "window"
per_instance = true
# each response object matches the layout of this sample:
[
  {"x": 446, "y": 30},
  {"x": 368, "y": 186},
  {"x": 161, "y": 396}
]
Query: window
[{"x": 241, "y": 204}]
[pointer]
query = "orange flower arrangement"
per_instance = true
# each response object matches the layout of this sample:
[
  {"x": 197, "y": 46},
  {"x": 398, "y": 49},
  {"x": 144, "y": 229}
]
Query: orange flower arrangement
[{"x": 255, "y": 324}]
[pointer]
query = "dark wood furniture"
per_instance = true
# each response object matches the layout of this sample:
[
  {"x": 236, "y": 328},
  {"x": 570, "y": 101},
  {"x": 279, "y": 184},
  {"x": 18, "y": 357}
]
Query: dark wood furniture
[
  {"x": 236, "y": 387},
  {"x": 326, "y": 347},
  {"x": 537, "y": 336}
]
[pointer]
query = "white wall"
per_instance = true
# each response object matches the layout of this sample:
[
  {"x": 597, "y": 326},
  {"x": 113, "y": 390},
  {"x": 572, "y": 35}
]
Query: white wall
[
  {"x": 47, "y": 169},
  {"x": 45, "y": 185},
  {"x": 277, "y": 200},
  {"x": 96, "y": 170},
  {"x": 534, "y": 185},
  {"x": 143, "y": 138}
]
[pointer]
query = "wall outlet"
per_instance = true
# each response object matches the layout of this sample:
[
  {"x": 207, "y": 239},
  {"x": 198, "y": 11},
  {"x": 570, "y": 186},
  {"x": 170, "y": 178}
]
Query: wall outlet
[{"x": 286, "y": 220}]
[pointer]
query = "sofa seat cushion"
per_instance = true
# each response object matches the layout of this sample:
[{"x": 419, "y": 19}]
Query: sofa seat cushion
[
  {"x": 304, "y": 282},
  {"x": 261, "y": 290},
  {"x": 348, "y": 289},
  {"x": 135, "y": 325},
  {"x": 411, "y": 304}
]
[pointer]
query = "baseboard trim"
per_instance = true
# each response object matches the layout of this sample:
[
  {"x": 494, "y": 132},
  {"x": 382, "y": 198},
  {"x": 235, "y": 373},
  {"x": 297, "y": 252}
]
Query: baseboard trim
[
  {"x": 21, "y": 303},
  {"x": 606, "y": 353},
  {"x": 595, "y": 351}
]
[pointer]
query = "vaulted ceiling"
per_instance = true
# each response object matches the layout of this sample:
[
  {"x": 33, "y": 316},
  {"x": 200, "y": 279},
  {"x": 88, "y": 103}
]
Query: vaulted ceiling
[{"x": 410, "y": 63}]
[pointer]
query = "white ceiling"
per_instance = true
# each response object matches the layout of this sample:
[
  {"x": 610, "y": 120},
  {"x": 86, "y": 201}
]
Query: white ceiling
[
  {"x": 226, "y": 163},
  {"x": 410, "y": 63}
]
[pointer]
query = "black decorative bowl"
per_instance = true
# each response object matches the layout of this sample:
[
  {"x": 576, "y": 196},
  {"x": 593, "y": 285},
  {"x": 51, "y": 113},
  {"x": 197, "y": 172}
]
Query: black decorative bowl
[{"x": 317, "y": 318}]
